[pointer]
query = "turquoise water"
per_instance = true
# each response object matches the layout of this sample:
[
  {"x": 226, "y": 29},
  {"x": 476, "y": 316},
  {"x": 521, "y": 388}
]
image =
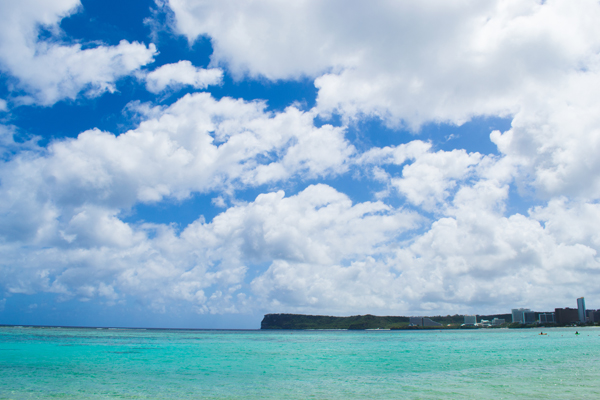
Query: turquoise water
[{"x": 149, "y": 364}]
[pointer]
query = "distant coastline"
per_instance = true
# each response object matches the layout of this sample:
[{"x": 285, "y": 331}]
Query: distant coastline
[{"x": 367, "y": 322}]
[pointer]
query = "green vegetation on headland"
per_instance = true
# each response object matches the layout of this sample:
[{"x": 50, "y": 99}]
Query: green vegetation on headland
[{"x": 299, "y": 321}]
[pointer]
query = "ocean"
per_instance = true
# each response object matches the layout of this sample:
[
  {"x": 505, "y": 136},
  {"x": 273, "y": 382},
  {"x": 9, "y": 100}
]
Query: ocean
[{"x": 73, "y": 363}]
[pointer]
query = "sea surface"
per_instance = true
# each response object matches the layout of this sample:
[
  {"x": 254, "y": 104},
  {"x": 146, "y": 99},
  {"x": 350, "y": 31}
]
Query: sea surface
[{"x": 70, "y": 363}]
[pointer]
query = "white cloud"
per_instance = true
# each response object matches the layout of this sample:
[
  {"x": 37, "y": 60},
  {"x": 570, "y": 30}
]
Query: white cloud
[
  {"x": 61, "y": 207},
  {"x": 394, "y": 154},
  {"x": 3, "y": 105},
  {"x": 49, "y": 71},
  {"x": 429, "y": 180},
  {"x": 319, "y": 226},
  {"x": 196, "y": 145},
  {"x": 477, "y": 256},
  {"x": 440, "y": 61},
  {"x": 483, "y": 260},
  {"x": 553, "y": 140},
  {"x": 323, "y": 253},
  {"x": 181, "y": 74},
  {"x": 207, "y": 264},
  {"x": 434, "y": 61},
  {"x": 472, "y": 260},
  {"x": 365, "y": 286},
  {"x": 572, "y": 222},
  {"x": 8, "y": 145},
  {"x": 261, "y": 38}
]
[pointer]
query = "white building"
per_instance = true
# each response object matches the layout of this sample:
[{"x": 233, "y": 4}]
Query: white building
[{"x": 470, "y": 319}]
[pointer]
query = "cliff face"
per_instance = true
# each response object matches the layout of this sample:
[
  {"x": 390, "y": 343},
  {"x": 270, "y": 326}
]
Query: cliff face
[{"x": 298, "y": 321}]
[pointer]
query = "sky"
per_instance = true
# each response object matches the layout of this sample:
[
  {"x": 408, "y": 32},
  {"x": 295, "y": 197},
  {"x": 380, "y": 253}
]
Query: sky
[{"x": 197, "y": 164}]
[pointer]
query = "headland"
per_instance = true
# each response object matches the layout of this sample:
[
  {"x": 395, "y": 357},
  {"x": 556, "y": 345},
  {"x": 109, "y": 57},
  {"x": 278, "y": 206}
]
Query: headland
[{"x": 358, "y": 322}]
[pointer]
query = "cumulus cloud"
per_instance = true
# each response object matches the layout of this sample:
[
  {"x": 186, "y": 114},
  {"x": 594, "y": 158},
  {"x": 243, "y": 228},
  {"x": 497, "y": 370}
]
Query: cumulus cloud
[
  {"x": 441, "y": 62},
  {"x": 181, "y": 74},
  {"x": 49, "y": 71},
  {"x": 428, "y": 181},
  {"x": 553, "y": 141},
  {"x": 8, "y": 145},
  {"x": 319, "y": 226},
  {"x": 443, "y": 242},
  {"x": 309, "y": 252},
  {"x": 207, "y": 263},
  {"x": 365, "y": 286},
  {"x": 408, "y": 62},
  {"x": 571, "y": 222},
  {"x": 394, "y": 154},
  {"x": 479, "y": 258},
  {"x": 312, "y": 251},
  {"x": 197, "y": 144},
  {"x": 470, "y": 260}
]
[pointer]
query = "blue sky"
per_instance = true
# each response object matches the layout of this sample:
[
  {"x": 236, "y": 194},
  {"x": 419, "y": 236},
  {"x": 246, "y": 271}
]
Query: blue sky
[{"x": 197, "y": 164}]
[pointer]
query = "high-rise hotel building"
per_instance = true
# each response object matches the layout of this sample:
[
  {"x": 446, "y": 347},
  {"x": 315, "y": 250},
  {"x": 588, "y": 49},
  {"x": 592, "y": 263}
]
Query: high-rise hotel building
[{"x": 581, "y": 309}]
